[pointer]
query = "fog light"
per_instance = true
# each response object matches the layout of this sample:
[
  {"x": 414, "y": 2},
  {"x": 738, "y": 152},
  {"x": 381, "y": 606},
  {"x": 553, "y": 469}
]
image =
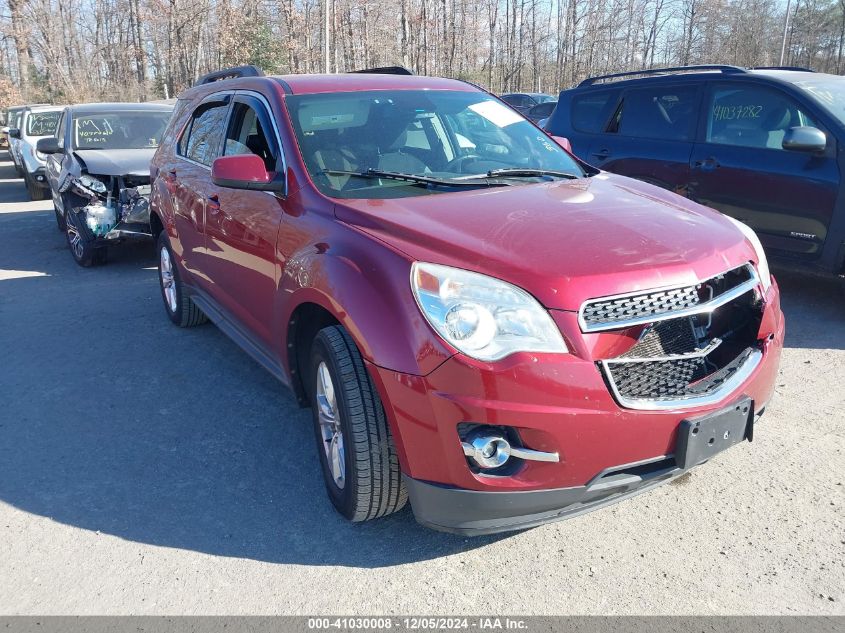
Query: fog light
[
  {"x": 40, "y": 178},
  {"x": 488, "y": 451}
]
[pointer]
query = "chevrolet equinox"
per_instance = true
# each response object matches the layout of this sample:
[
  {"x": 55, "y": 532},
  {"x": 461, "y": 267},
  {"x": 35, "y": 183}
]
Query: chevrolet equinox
[{"x": 480, "y": 322}]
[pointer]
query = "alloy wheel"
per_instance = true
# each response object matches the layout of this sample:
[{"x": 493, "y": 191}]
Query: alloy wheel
[
  {"x": 168, "y": 282},
  {"x": 330, "y": 429}
]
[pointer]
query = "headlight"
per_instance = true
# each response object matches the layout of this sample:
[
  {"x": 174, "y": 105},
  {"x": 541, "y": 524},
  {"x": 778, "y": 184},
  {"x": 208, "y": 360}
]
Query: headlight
[
  {"x": 483, "y": 317},
  {"x": 762, "y": 262},
  {"x": 97, "y": 186}
]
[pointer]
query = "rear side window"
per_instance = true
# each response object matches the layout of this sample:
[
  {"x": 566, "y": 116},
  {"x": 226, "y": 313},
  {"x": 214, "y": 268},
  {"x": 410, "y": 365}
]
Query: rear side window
[
  {"x": 202, "y": 137},
  {"x": 589, "y": 111},
  {"x": 661, "y": 112}
]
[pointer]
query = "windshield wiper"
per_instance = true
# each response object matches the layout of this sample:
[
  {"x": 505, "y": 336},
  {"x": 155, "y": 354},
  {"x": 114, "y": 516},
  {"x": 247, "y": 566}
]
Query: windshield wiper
[
  {"x": 518, "y": 172},
  {"x": 414, "y": 178}
]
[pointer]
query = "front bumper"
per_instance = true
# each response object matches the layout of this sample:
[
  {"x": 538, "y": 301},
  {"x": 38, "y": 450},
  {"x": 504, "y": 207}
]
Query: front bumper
[
  {"x": 39, "y": 178},
  {"x": 558, "y": 404}
]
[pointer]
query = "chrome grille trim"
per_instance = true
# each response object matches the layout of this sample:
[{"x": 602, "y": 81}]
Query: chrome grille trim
[
  {"x": 704, "y": 307},
  {"x": 726, "y": 388}
]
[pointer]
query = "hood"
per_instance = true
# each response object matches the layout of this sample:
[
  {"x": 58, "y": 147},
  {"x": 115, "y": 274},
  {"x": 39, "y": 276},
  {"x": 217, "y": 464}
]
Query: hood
[
  {"x": 117, "y": 162},
  {"x": 564, "y": 241}
]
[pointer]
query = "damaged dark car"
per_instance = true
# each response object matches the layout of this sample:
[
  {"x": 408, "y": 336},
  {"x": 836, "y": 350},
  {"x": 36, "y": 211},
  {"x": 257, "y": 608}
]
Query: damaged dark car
[{"x": 98, "y": 170}]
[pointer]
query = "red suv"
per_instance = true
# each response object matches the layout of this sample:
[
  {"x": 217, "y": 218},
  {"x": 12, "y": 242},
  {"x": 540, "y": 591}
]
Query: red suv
[{"x": 478, "y": 320}]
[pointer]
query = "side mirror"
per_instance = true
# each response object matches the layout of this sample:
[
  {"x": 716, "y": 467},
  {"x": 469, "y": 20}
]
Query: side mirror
[
  {"x": 563, "y": 142},
  {"x": 14, "y": 132},
  {"x": 48, "y": 145},
  {"x": 245, "y": 171},
  {"x": 804, "y": 139}
]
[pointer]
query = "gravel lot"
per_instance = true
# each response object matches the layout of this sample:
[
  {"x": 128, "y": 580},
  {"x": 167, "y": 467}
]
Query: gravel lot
[{"x": 150, "y": 470}]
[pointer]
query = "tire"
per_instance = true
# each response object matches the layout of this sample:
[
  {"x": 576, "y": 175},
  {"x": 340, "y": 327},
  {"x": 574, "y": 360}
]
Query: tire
[
  {"x": 35, "y": 192},
  {"x": 369, "y": 484},
  {"x": 181, "y": 310},
  {"x": 82, "y": 243}
]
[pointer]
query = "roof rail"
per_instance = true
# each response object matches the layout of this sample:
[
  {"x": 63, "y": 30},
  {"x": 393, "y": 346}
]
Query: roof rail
[
  {"x": 795, "y": 68},
  {"x": 385, "y": 70},
  {"x": 230, "y": 73},
  {"x": 663, "y": 71}
]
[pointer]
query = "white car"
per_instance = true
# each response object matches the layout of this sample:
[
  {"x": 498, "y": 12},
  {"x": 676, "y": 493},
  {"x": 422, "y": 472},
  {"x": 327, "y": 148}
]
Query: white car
[{"x": 35, "y": 122}]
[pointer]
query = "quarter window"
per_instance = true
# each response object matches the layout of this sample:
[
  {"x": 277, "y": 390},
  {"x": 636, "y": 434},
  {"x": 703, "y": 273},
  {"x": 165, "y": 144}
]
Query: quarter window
[
  {"x": 752, "y": 116},
  {"x": 662, "y": 112},
  {"x": 201, "y": 139}
]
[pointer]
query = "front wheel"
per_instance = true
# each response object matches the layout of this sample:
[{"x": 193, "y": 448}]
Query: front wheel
[
  {"x": 81, "y": 243},
  {"x": 359, "y": 460}
]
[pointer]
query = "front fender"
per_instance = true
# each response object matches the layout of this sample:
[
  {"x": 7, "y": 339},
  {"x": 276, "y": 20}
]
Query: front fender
[{"x": 366, "y": 286}]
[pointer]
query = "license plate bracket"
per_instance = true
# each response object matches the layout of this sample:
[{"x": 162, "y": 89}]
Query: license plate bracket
[{"x": 701, "y": 438}]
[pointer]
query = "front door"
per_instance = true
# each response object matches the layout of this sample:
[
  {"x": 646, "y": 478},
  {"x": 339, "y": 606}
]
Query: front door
[
  {"x": 242, "y": 225},
  {"x": 741, "y": 168}
]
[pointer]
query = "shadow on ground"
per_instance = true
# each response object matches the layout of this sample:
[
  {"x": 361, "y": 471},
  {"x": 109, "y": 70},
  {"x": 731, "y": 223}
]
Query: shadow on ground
[{"x": 115, "y": 421}]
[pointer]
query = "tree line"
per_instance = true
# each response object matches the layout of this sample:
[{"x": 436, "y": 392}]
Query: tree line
[{"x": 69, "y": 51}]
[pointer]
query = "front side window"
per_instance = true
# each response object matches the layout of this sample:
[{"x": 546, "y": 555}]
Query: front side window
[
  {"x": 660, "y": 112},
  {"x": 247, "y": 135},
  {"x": 752, "y": 116},
  {"x": 130, "y": 129},
  {"x": 42, "y": 123},
  {"x": 450, "y": 136},
  {"x": 201, "y": 140}
]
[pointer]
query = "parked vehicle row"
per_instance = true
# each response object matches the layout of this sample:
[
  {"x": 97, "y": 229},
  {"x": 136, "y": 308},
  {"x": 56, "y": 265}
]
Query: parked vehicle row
[{"x": 481, "y": 322}]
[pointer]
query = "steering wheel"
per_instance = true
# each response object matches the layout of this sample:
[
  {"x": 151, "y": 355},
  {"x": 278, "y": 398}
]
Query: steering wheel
[{"x": 457, "y": 164}]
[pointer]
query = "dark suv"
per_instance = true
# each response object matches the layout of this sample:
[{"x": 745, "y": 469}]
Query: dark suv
[
  {"x": 479, "y": 321},
  {"x": 761, "y": 145}
]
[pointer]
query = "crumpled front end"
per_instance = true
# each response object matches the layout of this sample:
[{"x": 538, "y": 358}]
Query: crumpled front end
[{"x": 111, "y": 208}]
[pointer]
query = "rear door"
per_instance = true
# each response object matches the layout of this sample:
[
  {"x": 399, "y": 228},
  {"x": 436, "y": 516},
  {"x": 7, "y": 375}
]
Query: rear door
[
  {"x": 650, "y": 135},
  {"x": 242, "y": 225},
  {"x": 188, "y": 180},
  {"x": 741, "y": 168}
]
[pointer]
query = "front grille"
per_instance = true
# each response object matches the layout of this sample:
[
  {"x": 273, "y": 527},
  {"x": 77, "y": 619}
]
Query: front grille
[
  {"x": 657, "y": 380},
  {"x": 666, "y": 338},
  {"x": 695, "y": 352},
  {"x": 651, "y": 304},
  {"x": 630, "y": 309}
]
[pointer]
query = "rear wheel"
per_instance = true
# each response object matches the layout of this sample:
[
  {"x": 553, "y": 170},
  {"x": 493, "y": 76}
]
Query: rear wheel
[
  {"x": 358, "y": 457},
  {"x": 178, "y": 305},
  {"x": 82, "y": 244}
]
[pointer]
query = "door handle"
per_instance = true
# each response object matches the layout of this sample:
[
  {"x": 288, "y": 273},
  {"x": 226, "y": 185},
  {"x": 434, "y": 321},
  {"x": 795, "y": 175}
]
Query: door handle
[
  {"x": 213, "y": 203},
  {"x": 706, "y": 164},
  {"x": 602, "y": 153}
]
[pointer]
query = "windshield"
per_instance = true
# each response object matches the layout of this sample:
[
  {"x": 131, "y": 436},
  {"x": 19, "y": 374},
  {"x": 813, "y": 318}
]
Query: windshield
[
  {"x": 42, "y": 123},
  {"x": 829, "y": 92},
  {"x": 131, "y": 129},
  {"x": 545, "y": 98},
  {"x": 462, "y": 137}
]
